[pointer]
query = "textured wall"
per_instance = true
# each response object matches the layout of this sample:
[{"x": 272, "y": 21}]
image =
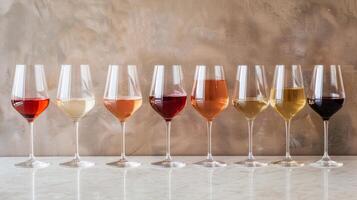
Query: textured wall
[{"x": 100, "y": 32}]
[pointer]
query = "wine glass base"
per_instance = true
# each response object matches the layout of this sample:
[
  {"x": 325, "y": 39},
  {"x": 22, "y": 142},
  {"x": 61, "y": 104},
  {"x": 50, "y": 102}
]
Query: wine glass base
[
  {"x": 251, "y": 163},
  {"x": 123, "y": 163},
  {"x": 169, "y": 164},
  {"x": 288, "y": 163},
  {"x": 32, "y": 163},
  {"x": 326, "y": 164},
  {"x": 211, "y": 163},
  {"x": 77, "y": 163}
]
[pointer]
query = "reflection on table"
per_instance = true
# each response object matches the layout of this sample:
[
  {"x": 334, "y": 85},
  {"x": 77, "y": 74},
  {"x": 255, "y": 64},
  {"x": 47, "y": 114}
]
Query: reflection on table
[{"x": 192, "y": 182}]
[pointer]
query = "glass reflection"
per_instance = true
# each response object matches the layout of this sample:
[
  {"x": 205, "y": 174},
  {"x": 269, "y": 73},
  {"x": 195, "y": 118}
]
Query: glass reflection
[
  {"x": 78, "y": 184},
  {"x": 124, "y": 184},
  {"x": 210, "y": 183},
  {"x": 288, "y": 183},
  {"x": 325, "y": 177},
  {"x": 251, "y": 183},
  {"x": 33, "y": 184},
  {"x": 169, "y": 183}
]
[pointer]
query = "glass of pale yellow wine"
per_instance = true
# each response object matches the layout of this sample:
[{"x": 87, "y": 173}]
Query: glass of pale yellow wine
[
  {"x": 287, "y": 97},
  {"x": 250, "y": 97},
  {"x": 75, "y": 98}
]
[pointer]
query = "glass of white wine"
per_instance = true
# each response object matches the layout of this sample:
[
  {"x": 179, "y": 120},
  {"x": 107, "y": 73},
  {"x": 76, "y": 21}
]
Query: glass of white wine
[
  {"x": 75, "y": 97},
  {"x": 250, "y": 97},
  {"x": 287, "y": 97}
]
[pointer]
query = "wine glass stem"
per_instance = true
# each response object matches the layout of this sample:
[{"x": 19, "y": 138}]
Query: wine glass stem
[
  {"x": 168, "y": 140},
  {"x": 209, "y": 135},
  {"x": 76, "y": 124},
  {"x": 123, "y": 140},
  {"x": 32, "y": 156},
  {"x": 287, "y": 130},
  {"x": 326, "y": 139},
  {"x": 250, "y": 138}
]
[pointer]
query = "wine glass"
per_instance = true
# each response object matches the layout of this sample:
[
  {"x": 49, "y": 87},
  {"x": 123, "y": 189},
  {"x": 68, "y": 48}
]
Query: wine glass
[
  {"x": 75, "y": 98},
  {"x": 209, "y": 98},
  {"x": 250, "y": 97},
  {"x": 168, "y": 98},
  {"x": 326, "y": 96},
  {"x": 122, "y": 97},
  {"x": 287, "y": 97},
  {"x": 29, "y": 97}
]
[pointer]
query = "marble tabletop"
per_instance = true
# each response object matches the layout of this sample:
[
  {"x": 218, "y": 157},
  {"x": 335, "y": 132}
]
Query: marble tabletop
[{"x": 192, "y": 182}]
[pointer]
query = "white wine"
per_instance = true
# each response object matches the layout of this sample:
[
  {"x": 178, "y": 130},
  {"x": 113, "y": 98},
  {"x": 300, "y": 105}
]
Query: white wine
[
  {"x": 289, "y": 103},
  {"x": 250, "y": 107},
  {"x": 76, "y": 108}
]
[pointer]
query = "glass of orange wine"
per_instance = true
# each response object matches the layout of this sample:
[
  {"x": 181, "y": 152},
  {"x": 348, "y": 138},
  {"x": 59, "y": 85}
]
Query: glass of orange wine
[
  {"x": 209, "y": 97},
  {"x": 122, "y": 97},
  {"x": 29, "y": 97},
  {"x": 287, "y": 97},
  {"x": 250, "y": 97}
]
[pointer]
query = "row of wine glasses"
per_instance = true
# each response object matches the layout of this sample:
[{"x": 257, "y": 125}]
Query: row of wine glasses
[{"x": 209, "y": 97}]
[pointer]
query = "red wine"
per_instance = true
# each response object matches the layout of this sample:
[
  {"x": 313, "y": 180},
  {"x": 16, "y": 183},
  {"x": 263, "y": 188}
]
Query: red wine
[
  {"x": 168, "y": 106},
  {"x": 326, "y": 106},
  {"x": 30, "y": 108}
]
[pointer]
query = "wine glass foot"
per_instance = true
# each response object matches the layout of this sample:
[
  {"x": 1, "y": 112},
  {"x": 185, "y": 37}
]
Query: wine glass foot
[
  {"x": 251, "y": 163},
  {"x": 288, "y": 163},
  {"x": 77, "y": 163},
  {"x": 32, "y": 163},
  {"x": 211, "y": 163},
  {"x": 169, "y": 164},
  {"x": 326, "y": 163},
  {"x": 124, "y": 163}
]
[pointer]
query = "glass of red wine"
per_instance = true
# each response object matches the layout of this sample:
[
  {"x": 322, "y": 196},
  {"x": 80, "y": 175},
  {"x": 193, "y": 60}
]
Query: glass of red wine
[
  {"x": 326, "y": 96},
  {"x": 29, "y": 97},
  {"x": 168, "y": 98}
]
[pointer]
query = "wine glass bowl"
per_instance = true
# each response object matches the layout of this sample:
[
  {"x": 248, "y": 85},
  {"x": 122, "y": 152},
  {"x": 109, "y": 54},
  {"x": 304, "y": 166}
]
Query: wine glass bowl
[
  {"x": 209, "y": 98},
  {"x": 326, "y": 96},
  {"x": 122, "y": 97},
  {"x": 250, "y": 97},
  {"x": 29, "y": 98},
  {"x": 287, "y": 97},
  {"x": 168, "y": 106},
  {"x": 168, "y": 99},
  {"x": 75, "y": 98}
]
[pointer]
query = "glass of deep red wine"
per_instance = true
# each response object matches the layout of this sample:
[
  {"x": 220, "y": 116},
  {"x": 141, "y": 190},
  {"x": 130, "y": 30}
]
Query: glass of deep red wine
[
  {"x": 326, "y": 96},
  {"x": 122, "y": 97},
  {"x": 29, "y": 97},
  {"x": 168, "y": 98}
]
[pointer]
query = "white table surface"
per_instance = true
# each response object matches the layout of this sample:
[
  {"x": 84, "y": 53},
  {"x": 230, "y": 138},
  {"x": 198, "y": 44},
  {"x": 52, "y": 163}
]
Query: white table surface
[{"x": 192, "y": 182}]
